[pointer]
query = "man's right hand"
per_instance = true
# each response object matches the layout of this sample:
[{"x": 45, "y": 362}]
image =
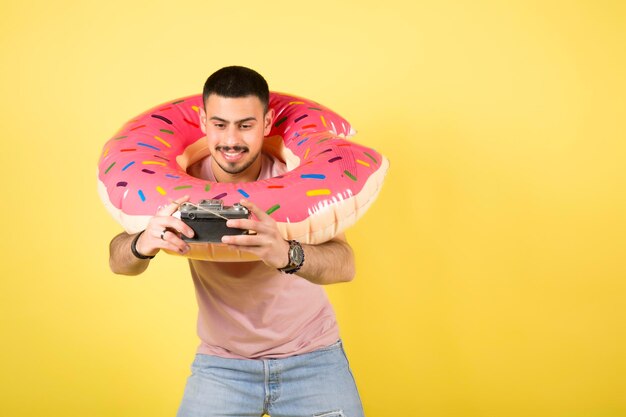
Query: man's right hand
[{"x": 164, "y": 231}]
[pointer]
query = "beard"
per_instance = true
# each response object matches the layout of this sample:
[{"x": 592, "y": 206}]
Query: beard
[{"x": 236, "y": 167}]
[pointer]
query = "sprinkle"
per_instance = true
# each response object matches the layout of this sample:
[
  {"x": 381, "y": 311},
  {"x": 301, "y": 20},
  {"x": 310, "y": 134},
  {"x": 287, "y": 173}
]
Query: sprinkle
[
  {"x": 172, "y": 176},
  {"x": 243, "y": 193},
  {"x": 217, "y": 197},
  {"x": 363, "y": 163},
  {"x": 337, "y": 158},
  {"x": 315, "y": 108},
  {"x": 302, "y": 141},
  {"x": 313, "y": 193},
  {"x": 371, "y": 157},
  {"x": 281, "y": 121},
  {"x": 313, "y": 176},
  {"x": 182, "y": 187},
  {"x": 128, "y": 165},
  {"x": 323, "y": 140},
  {"x": 295, "y": 102},
  {"x": 300, "y": 118},
  {"x": 306, "y": 153},
  {"x": 163, "y": 142},
  {"x": 147, "y": 171},
  {"x": 106, "y": 151},
  {"x": 275, "y": 186},
  {"x": 179, "y": 101},
  {"x": 323, "y": 121},
  {"x": 109, "y": 168},
  {"x": 165, "y": 108},
  {"x": 352, "y": 177},
  {"x": 138, "y": 127},
  {"x": 141, "y": 195},
  {"x": 165, "y": 119},
  {"x": 308, "y": 126},
  {"x": 324, "y": 151},
  {"x": 162, "y": 157},
  {"x": 122, "y": 184},
  {"x": 207, "y": 187},
  {"x": 120, "y": 137},
  {"x": 128, "y": 150},
  {"x": 191, "y": 123},
  {"x": 160, "y": 190},
  {"x": 273, "y": 208},
  {"x": 166, "y": 131},
  {"x": 148, "y": 146},
  {"x": 153, "y": 163}
]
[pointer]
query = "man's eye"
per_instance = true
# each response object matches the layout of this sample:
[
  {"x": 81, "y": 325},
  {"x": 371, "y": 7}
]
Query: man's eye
[
  {"x": 246, "y": 126},
  {"x": 218, "y": 125}
]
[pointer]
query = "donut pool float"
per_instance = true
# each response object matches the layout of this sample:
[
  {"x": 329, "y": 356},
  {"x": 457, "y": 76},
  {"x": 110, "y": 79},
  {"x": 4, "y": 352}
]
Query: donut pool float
[{"x": 330, "y": 182}]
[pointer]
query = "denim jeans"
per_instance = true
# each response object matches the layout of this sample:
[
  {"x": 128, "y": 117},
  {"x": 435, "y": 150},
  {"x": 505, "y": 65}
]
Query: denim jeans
[{"x": 318, "y": 384}]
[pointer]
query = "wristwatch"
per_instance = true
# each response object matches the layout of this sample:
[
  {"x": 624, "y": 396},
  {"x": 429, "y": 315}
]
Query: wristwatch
[{"x": 296, "y": 258}]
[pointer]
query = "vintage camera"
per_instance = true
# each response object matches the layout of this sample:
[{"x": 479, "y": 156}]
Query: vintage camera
[{"x": 208, "y": 220}]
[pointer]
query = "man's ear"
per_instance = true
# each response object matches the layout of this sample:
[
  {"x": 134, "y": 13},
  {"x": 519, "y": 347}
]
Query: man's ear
[
  {"x": 202, "y": 116},
  {"x": 269, "y": 118}
]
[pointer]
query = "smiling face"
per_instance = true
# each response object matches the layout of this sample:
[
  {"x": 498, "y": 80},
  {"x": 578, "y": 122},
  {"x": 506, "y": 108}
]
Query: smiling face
[{"x": 235, "y": 129}]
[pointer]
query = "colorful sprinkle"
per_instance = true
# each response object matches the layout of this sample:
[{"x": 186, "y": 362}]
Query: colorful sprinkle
[
  {"x": 362, "y": 163},
  {"x": 128, "y": 150},
  {"x": 163, "y": 142},
  {"x": 153, "y": 163},
  {"x": 179, "y": 101},
  {"x": 172, "y": 176},
  {"x": 141, "y": 195},
  {"x": 300, "y": 118},
  {"x": 280, "y": 122},
  {"x": 219, "y": 196},
  {"x": 148, "y": 146},
  {"x": 313, "y": 193},
  {"x": 138, "y": 127},
  {"x": 337, "y": 158},
  {"x": 323, "y": 121},
  {"x": 273, "y": 208},
  {"x": 308, "y": 126},
  {"x": 182, "y": 187},
  {"x": 120, "y": 137},
  {"x": 106, "y": 151},
  {"x": 207, "y": 187},
  {"x": 352, "y": 177},
  {"x": 161, "y": 157},
  {"x": 302, "y": 141},
  {"x": 191, "y": 123},
  {"x": 122, "y": 184},
  {"x": 315, "y": 108},
  {"x": 165, "y": 119},
  {"x": 323, "y": 140},
  {"x": 243, "y": 193},
  {"x": 128, "y": 165},
  {"x": 371, "y": 157},
  {"x": 147, "y": 171},
  {"x": 275, "y": 186},
  {"x": 195, "y": 108},
  {"x": 306, "y": 153},
  {"x": 313, "y": 176},
  {"x": 160, "y": 190},
  {"x": 165, "y": 108},
  {"x": 109, "y": 168},
  {"x": 166, "y": 131},
  {"x": 324, "y": 151},
  {"x": 291, "y": 103}
]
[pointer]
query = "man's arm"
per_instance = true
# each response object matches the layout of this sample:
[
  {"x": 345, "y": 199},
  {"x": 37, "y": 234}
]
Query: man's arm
[
  {"x": 162, "y": 232},
  {"x": 327, "y": 263}
]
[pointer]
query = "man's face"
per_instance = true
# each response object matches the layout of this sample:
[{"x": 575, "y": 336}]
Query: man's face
[{"x": 235, "y": 129}]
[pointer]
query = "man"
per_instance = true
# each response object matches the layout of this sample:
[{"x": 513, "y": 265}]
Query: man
[{"x": 269, "y": 338}]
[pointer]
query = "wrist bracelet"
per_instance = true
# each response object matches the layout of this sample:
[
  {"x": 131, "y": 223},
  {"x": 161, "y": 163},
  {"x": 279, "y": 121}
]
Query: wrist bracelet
[{"x": 133, "y": 248}]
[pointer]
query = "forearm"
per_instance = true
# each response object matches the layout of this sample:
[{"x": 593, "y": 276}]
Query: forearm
[
  {"x": 121, "y": 259},
  {"x": 329, "y": 263}
]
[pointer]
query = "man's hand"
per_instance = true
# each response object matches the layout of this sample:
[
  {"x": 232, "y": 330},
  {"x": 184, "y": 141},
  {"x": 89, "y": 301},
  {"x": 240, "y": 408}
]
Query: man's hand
[
  {"x": 267, "y": 243},
  {"x": 164, "y": 231}
]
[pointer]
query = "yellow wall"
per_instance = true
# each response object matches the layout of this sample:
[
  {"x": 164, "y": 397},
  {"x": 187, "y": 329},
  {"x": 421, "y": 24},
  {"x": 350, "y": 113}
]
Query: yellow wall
[{"x": 490, "y": 270}]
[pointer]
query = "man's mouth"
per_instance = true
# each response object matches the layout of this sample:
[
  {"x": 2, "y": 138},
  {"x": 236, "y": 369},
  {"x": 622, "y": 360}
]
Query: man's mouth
[{"x": 232, "y": 153}]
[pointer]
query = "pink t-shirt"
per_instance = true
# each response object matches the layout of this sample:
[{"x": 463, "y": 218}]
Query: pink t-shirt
[{"x": 249, "y": 310}]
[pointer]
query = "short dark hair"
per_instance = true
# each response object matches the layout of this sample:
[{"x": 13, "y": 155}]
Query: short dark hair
[{"x": 236, "y": 82}]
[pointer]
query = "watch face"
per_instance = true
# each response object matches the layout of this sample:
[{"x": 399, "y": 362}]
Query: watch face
[{"x": 296, "y": 255}]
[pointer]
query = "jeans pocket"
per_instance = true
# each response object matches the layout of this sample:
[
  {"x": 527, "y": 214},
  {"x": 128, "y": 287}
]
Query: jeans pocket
[{"x": 337, "y": 413}]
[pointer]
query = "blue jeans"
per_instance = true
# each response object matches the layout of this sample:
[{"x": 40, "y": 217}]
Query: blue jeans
[{"x": 318, "y": 383}]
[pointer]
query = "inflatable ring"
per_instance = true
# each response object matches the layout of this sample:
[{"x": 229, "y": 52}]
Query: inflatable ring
[{"x": 330, "y": 182}]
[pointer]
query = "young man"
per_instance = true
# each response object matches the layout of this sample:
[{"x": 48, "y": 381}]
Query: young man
[{"x": 269, "y": 337}]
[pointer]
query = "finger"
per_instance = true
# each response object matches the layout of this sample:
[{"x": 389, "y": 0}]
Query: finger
[
  {"x": 171, "y": 208},
  {"x": 244, "y": 240},
  {"x": 176, "y": 225},
  {"x": 254, "y": 209},
  {"x": 247, "y": 224},
  {"x": 169, "y": 240}
]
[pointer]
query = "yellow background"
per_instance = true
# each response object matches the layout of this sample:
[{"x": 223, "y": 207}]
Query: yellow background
[{"x": 490, "y": 270}]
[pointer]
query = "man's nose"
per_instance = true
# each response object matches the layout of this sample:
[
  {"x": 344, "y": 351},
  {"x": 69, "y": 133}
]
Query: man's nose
[{"x": 232, "y": 135}]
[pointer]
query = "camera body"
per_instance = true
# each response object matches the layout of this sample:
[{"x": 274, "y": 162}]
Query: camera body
[{"x": 208, "y": 220}]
